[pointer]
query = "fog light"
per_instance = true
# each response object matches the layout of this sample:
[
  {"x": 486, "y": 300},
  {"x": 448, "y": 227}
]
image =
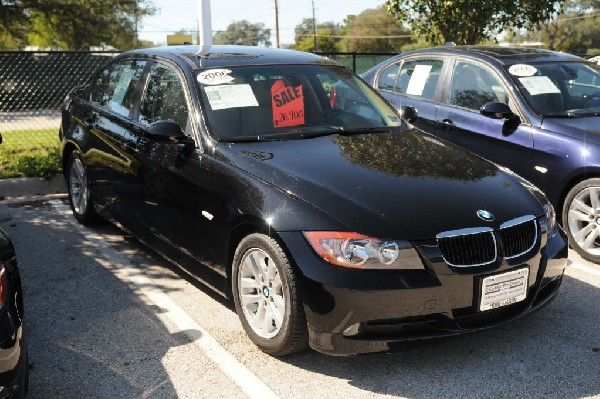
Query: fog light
[{"x": 353, "y": 330}]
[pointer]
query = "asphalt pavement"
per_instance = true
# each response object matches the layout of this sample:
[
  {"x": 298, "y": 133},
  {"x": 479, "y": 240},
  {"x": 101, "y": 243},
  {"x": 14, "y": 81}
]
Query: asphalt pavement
[{"x": 107, "y": 318}]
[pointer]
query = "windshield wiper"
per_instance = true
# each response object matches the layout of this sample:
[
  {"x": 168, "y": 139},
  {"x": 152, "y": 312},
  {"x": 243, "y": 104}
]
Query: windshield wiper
[
  {"x": 565, "y": 115},
  {"x": 586, "y": 114},
  {"x": 372, "y": 129},
  {"x": 311, "y": 132}
]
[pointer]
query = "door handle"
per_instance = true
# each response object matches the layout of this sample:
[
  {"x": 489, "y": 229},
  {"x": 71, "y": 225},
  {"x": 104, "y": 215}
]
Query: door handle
[
  {"x": 447, "y": 124},
  {"x": 90, "y": 122}
]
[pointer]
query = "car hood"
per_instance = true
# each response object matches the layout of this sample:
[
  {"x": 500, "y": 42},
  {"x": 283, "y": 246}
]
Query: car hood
[
  {"x": 575, "y": 127},
  {"x": 404, "y": 185}
]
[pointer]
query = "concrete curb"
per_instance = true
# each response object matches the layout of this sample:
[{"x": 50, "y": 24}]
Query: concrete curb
[{"x": 28, "y": 186}]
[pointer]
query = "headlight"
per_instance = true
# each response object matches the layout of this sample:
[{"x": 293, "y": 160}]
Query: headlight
[
  {"x": 550, "y": 216},
  {"x": 363, "y": 252}
]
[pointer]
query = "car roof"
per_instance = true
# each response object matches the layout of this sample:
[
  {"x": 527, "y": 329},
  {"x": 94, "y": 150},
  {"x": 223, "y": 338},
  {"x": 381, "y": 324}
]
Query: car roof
[
  {"x": 226, "y": 56},
  {"x": 504, "y": 55}
]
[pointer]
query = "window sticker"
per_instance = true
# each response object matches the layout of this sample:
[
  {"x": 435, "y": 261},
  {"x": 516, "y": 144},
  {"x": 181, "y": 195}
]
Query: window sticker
[
  {"x": 522, "y": 70},
  {"x": 539, "y": 85},
  {"x": 122, "y": 86},
  {"x": 230, "y": 96},
  {"x": 418, "y": 79},
  {"x": 215, "y": 77},
  {"x": 288, "y": 104}
]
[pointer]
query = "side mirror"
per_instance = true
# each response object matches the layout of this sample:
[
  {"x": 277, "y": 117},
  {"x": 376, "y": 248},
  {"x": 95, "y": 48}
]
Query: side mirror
[
  {"x": 496, "y": 111},
  {"x": 410, "y": 114},
  {"x": 167, "y": 130}
]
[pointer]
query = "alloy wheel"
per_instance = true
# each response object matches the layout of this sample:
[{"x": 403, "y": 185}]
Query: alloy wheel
[
  {"x": 78, "y": 189},
  {"x": 261, "y": 293},
  {"x": 584, "y": 220}
]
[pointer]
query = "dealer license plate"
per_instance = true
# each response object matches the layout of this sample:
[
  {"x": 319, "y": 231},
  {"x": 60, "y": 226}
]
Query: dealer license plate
[{"x": 503, "y": 289}]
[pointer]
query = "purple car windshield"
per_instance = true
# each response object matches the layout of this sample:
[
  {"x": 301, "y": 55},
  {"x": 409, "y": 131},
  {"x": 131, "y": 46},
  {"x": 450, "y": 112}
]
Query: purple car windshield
[{"x": 559, "y": 89}]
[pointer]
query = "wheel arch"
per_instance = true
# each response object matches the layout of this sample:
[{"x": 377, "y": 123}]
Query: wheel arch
[
  {"x": 242, "y": 229},
  {"x": 68, "y": 149}
]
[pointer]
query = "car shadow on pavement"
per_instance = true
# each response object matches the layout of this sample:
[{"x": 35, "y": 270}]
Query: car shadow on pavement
[
  {"x": 89, "y": 334},
  {"x": 553, "y": 353}
]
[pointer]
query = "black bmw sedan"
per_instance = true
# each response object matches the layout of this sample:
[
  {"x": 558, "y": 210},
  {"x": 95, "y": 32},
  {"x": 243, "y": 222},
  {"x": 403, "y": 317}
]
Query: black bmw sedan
[{"x": 286, "y": 183}]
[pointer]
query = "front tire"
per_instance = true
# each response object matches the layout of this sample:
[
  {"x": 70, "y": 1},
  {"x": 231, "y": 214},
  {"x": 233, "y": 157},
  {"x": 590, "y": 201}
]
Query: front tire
[
  {"x": 266, "y": 296},
  {"x": 581, "y": 219},
  {"x": 79, "y": 192}
]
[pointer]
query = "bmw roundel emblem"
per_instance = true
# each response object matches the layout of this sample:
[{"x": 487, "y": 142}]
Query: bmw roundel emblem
[{"x": 485, "y": 215}]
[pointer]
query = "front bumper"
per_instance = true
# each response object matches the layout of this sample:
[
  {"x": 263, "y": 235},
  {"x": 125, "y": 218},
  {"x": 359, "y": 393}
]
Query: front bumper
[{"x": 351, "y": 311}]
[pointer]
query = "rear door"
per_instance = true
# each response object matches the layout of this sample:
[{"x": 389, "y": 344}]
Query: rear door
[
  {"x": 414, "y": 82},
  {"x": 112, "y": 135}
]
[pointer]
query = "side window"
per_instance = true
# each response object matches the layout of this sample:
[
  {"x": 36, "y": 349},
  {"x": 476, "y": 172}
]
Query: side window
[
  {"x": 473, "y": 85},
  {"x": 387, "y": 77},
  {"x": 164, "y": 98},
  {"x": 115, "y": 86},
  {"x": 419, "y": 77}
]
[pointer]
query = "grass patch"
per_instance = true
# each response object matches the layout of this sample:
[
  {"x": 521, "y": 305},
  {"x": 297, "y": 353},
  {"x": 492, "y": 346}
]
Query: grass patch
[{"x": 30, "y": 153}]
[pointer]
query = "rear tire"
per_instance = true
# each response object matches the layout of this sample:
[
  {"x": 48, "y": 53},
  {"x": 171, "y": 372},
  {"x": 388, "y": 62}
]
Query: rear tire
[
  {"x": 79, "y": 192},
  {"x": 266, "y": 296},
  {"x": 581, "y": 219}
]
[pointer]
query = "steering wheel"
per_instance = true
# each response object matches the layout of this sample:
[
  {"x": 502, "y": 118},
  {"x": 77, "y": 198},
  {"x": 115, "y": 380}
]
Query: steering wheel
[{"x": 327, "y": 116}]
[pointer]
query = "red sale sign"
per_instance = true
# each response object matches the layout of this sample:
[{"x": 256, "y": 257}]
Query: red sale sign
[{"x": 288, "y": 104}]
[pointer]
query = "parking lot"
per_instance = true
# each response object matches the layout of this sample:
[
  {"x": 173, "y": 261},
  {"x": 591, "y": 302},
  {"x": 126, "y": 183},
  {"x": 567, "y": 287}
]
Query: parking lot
[{"x": 106, "y": 318}]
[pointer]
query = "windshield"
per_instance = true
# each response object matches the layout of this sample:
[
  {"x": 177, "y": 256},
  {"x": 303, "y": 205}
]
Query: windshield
[
  {"x": 559, "y": 89},
  {"x": 290, "y": 101}
]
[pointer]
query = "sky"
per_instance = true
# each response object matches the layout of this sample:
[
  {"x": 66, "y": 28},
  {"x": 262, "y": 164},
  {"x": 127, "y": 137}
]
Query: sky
[{"x": 175, "y": 15}]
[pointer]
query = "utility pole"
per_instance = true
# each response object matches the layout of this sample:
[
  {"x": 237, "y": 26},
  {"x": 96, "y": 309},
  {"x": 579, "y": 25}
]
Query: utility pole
[
  {"x": 315, "y": 26},
  {"x": 276, "y": 25},
  {"x": 136, "y": 42}
]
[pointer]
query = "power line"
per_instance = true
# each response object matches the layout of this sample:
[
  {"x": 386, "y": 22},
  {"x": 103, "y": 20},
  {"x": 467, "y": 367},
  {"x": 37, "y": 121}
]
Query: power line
[{"x": 361, "y": 37}]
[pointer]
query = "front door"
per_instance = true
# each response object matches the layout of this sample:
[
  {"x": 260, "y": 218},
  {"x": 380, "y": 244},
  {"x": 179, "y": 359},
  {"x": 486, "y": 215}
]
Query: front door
[{"x": 506, "y": 142}]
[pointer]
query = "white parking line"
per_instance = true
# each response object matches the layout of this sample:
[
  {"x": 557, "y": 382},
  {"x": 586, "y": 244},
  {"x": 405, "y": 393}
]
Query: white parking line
[
  {"x": 587, "y": 269},
  {"x": 247, "y": 381}
]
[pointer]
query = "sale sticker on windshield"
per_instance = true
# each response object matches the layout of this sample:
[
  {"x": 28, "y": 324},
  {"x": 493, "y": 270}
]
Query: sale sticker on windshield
[{"x": 288, "y": 104}]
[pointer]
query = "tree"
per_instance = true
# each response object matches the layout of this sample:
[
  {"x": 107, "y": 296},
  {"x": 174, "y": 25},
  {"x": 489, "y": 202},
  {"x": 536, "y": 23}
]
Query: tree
[
  {"x": 327, "y": 39},
  {"x": 469, "y": 21},
  {"x": 244, "y": 33},
  {"x": 576, "y": 30},
  {"x": 374, "y": 30},
  {"x": 74, "y": 24}
]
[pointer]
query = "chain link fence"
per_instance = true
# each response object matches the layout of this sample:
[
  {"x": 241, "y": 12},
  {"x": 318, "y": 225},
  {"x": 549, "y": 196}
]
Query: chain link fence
[{"x": 32, "y": 87}]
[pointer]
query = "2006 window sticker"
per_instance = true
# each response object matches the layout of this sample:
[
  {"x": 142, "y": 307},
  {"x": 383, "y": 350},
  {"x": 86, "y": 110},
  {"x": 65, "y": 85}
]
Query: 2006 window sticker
[{"x": 215, "y": 77}]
